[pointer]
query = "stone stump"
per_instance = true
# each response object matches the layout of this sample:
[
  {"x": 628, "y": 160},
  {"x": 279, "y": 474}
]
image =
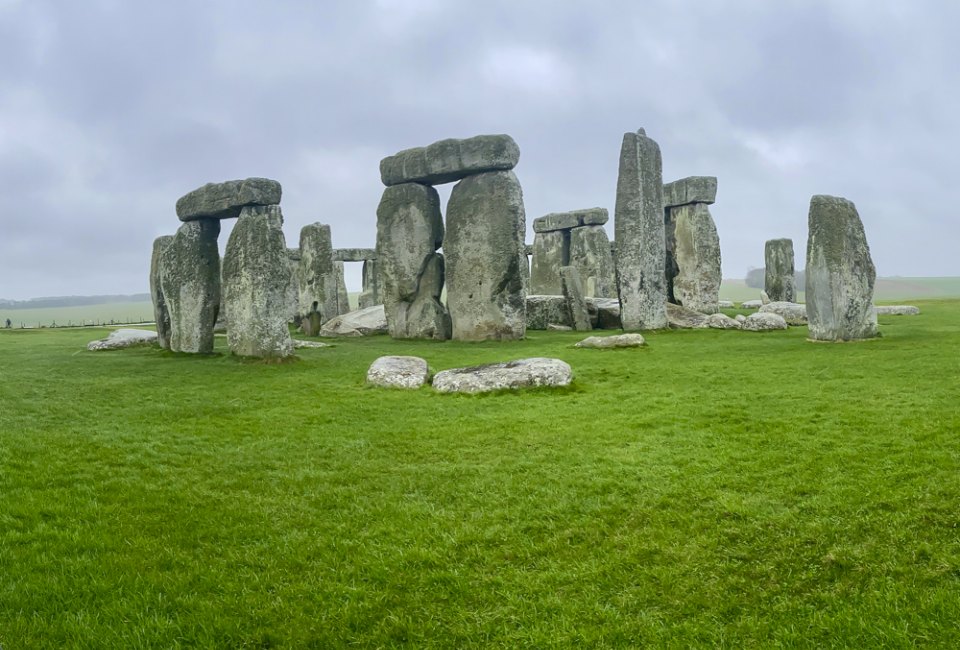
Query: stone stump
[
  {"x": 190, "y": 283},
  {"x": 778, "y": 277},
  {"x": 161, "y": 315}
]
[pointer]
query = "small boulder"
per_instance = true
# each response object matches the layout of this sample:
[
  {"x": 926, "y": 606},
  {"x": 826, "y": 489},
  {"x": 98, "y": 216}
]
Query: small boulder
[
  {"x": 793, "y": 313},
  {"x": 722, "y": 322},
  {"x": 123, "y": 338},
  {"x": 763, "y": 322},
  {"x": 751, "y": 304},
  {"x": 725, "y": 304},
  {"x": 398, "y": 372},
  {"x": 362, "y": 322},
  {"x": 740, "y": 318},
  {"x": 682, "y": 318},
  {"x": 522, "y": 373},
  {"x": 616, "y": 341}
]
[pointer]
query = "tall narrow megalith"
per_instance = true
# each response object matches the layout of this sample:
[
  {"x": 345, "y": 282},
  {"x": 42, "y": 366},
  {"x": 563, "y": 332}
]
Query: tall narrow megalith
[
  {"x": 161, "y": 314},
  {"x": 639, "y": 234},
  {"x": 840, "y": 274},
  {"x": 778, "y": 277},
  {"x": 190, "y": 282},
  {"x": 697, "y": 253},
  {"x": 316, "y": 278}
]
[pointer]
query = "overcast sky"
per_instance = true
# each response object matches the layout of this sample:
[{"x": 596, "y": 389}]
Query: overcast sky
[{"x": 110, "y": 110}]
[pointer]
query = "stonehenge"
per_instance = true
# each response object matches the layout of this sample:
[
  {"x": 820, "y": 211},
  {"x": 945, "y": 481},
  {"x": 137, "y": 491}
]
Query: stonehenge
[
  {"x": 574, "y": 239},
  {"x": 779, "y": 270},
  {"x": 161, "y": 314},
  {"x": 316, "y": 281},
  {"x": 693, "y": 272}
]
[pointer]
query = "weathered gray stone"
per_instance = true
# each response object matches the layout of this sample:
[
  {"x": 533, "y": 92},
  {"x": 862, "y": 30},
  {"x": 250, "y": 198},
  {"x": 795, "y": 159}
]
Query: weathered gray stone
[
  {"x": 256, "y": 274},
  {"x": 160, "y": 314},
  {"x": 696, "y": 251},
  {"x": 639, "y": 230},
  {"x": 590, "y": 255},
  {"x": 545, "y": 310},
  {"x": 683, "y": 318},
  {"x": 740, "y": 318},
  {"x": 764, "y": 298},
  {"x": 123, "y": 338},
  {"x": 354, "y": 254},
  {"x": 316, "y": 278},
  {"x": 607, "y": 313},
  {"x": 522, "y": 373},
  {"x": 370, "y": 294},
  {"x": 343, "y": 298},
  {"x": 839, "y": 274},
  {"x": 793, "y": 313},
  {"x": 225, "y": 200},
  {"x": 190, "y": 283},
  {"x": 896, "y": 310},
  {"x": 409, "y": 231},
  {"x": 398, "y": 372},
  {"x": 292, "y": 298},
  {"x": 573, "y": 219},
  {"x": 722, "y": 322},
  {"x": 298, "y": 344},
  {"x": 551, "y": 250},
  {"x": 450, "y": 160},
  {"x": 573, "y": 294},
  {"x": 725, "y": 304},
  {"x": 616, "y": 341},
  {"x": 363, "y": 322},
  {"x": 751, "y": 304},
  {"x": 693, "y": 189},
  {"x": 763, "y": 322},
  {"x": 559, "y": 328},
  {"x": 484, "y": 247},
  {"x": 528, "y": 249},
  {"x": 778, "y": 276}
]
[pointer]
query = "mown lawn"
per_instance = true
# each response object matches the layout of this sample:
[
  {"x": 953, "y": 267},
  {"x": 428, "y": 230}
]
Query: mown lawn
[{"x": 717, "y": 489}]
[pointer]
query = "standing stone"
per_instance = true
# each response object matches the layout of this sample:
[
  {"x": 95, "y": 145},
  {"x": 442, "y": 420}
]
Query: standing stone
[
  {"x": 343, "y": 298},
  {"x": 573, "y": 295},
  {"x": 590, "y": 255},
  {"x": 316, "y": 280},
  {"x": 190, "y": 283},
  {"x": 484, "y": 246},
  {"x": 293, "y": 288},
  {"x": 550, "y": 252},
  {"x": 370, "y": 294},
  {"x": 409, "y": 232},
  {"x": 697, "y": 252},
  {"x": 779, "y": 271},
  {"x": 639, "y": 234},
  {"x": 160, "y": 314},
  {"x": 256, "y": 274},
  {"x": 840, "y": 273}
]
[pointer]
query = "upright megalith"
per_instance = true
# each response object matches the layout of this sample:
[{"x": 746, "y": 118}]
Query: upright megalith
[
  {"x": 161, "y": 315},
  {"x": 484, "y": 247},
  {"x": 575, "y": 239},
  {"x": 256, "y": 277},
  {"x": 693, "y": 272},
  {"x": 839, "y": 274},
  {"x": 409, "y": 232},
  {"x": 778, "y": 278},
  {"x": 590, "y": 255},
  {"x": 226, "y": 200},
  {"x": 190, "y": 283},
  {"x": 551, "y": 251},
  {"x": 316, "y": 279},
  {"x": 292, "y": 298},
  {"x": 573, "y": 295},
  {"x": 343, "y": 298},
  {"x": 450, "y": 160},
  {"x": 639, "y": 234}
]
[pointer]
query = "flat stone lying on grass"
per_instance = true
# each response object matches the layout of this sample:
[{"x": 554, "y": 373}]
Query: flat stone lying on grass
[
  {"x": 723, "y": 322},
  {"x": 725, "y": 304},
  {"x": 793, "y": 313},
  {"x": 398, "y": 372},
  {"x": 553, "y": 327},
  {"x": 362, "y": 322},
  {"x": 683, "y": 318},
  {"x": 298, "y": 344},
  {"x": 751, "y": 304},
  {"x": 522, "y": 373},
  {"x": 896, "y": 310},
  {"x": 616, "y": 341},
  {"x": 763, "y": 322},
  {"x": 123, "y": 338}
]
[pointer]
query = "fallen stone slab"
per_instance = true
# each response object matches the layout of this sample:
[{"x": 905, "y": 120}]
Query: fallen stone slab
[
  {"x": 722, "y": 322},
  {"x": 693, "y": 189},
  {"x": 123, "y": 338},
  {"x": 225, "y": 200},
  {"x": 724, "y": 304},
  {"x": 450, "y": 160},
  {"x": 616, "y": 341},
  {"x": 896, "y": 310},
  {"x": 682, "y": 318},
  {"x": 354, "y": 254},
  {"x": 522, "y": 373},
  {"x": 362, "y": 322},
  {"x": 298, "y": 344},
  {"x": 545, "y": 310},
  {"x": 398, "y": 372},
  {"x": 763, "y": 322},
  {"x": 751, "y": 304},
  {"x": 793, "y": 313}
]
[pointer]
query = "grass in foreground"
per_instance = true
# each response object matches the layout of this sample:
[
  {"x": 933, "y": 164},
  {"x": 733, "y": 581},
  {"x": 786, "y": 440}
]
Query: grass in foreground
[{"x": 716, "y": 489}]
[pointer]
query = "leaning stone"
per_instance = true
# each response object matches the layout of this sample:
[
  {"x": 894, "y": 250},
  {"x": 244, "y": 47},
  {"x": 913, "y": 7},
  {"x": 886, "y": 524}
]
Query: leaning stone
[
  {"x": 160, "y": 314},
  {"x": 523, "y": 373},
  {"x": 696, "y": 251},
  {"x": 793, "y": 313},
  {"x": 751, "y": 304},
  {"x": 762, "y": 322},
  {"x": 450, "y": 160},
  {"x": 640, "y": 234},
  {"x": 573, "y": 294},
  {"x": 693, "y": 189},
  {"x": 722, "y": 322},
  {"x": 839, "y": 274},
  {"x": 590, "y": 255},
  {"x": 550, "y": 252},
  {"x": 616, "y": 341},
  {"x": 256, "y": 274},
  {"x": 190, "y": 282},
  {"x": 354, "y": 254},
  {"x": 316, "y": 278},
  {"x": 225, "y": 200},
  {"x": 363, "y": 322},
  {"x": 398, "y": 372},
  {"x": 683, "y": 318},
  {"x": 484, "y": 248},
  {"x": 896, "y": 310},
  {"x": 778, "y": 275},
  {"x": 543, "y": 311},
  {"x": 123, "y": 338}
]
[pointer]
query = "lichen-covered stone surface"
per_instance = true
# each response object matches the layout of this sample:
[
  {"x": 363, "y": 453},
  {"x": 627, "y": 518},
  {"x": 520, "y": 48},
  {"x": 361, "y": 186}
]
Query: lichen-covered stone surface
[
  {"x": 123, "y": 338},
  {"x": 161, "y": 315},
  {"x": 722, "y": 322},
  {"x": 363, "y": 322},
  {"x": 573, "y": 294},
  {"x": 590, "y": 255},
  {"x": 450, "y": 160},
  {"x": 484, "y": 248},
  {"x": 370, "y": 293},
  {"x": 639, "y": 234},
  {"x": 896, "y": 310},
  {"x": 546, "y": 310},
  {"x": 778, "y": 276},
  {"x": 793, "y": 313},
  {"x": 354, "y": 254},
  {"x": 256, "y": 274},
  {"x": 190, "y": 282},
  {"x": 763, "y": 322},
  {"x": 550, "y": 252},
  {"x": 572, "y": 219},
  {"x": 696, "y": 251},
  {"x": 693, "y": 189},
  {"x": 683, "y": 318},
  {"x": 630, "y": 340},
  {"x": 343, "y": 298},
  {"x": 840, "y": 274},
  {"x": 225, "y": 200},
  {"x": 316, "y": 278},
  {"x": 522, "y": 373},
  {"x": 398, "y": 372}
]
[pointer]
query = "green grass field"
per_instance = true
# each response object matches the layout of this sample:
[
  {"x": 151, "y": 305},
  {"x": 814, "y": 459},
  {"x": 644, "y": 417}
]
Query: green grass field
[{"x": 716, "y": 489}]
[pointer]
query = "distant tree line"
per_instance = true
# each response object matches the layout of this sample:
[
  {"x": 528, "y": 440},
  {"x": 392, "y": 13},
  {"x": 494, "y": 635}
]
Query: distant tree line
[
  {"x": 72, "y": 301},
  {"x": 755, "y": 278}
]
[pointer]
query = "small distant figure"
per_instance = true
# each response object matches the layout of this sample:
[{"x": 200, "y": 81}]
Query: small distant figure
[{"x": 8, "y": 324}]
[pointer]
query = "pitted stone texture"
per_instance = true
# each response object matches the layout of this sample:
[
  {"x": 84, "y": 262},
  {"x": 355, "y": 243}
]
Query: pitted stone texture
[
  {"x": 793, "y": 313},
  {"x": 256, "y": 274},
  {"x": 354, "y": 254},
  {"x": 590, "y": 255},
  {"x": 190, "y": 282},
  {"x": 697, "y": 253},
  {"x": 573, "y": 294},
  {"x": 778, "y": 276},
  {"x": 398, "y": 372},
  {"x": 123, "y": 338},
  {"x": 693, "y": 189},
  {"x": 550, "y": 252},
  {"x": 546, "y": 310},
  {"x": 573, "y": 219},
  {"x": 751, "y": 304},
  {"x": 683, "y": 318},
  {"x": 450, "y": 160},
  {"x": 896, "y": 310},
  {"x": 840, "y": 274},
  {"x": 722, "y": 322},
  {"x": 363, "y": 322},
  {"x": 225, "y": 200},
  {"x": 292, "y": 298},
  {"x": 763, "y": 322},
  {"x": 484, "y": 248},
  {"x": 639, "y": 234},
  {"x": 616, "y": 341},
  {"x": 409, "y": 231},
  {"x": 160, "y": 314},
  {"x": 316, "y": 278},
  {"x": 522, "y": 373}
]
